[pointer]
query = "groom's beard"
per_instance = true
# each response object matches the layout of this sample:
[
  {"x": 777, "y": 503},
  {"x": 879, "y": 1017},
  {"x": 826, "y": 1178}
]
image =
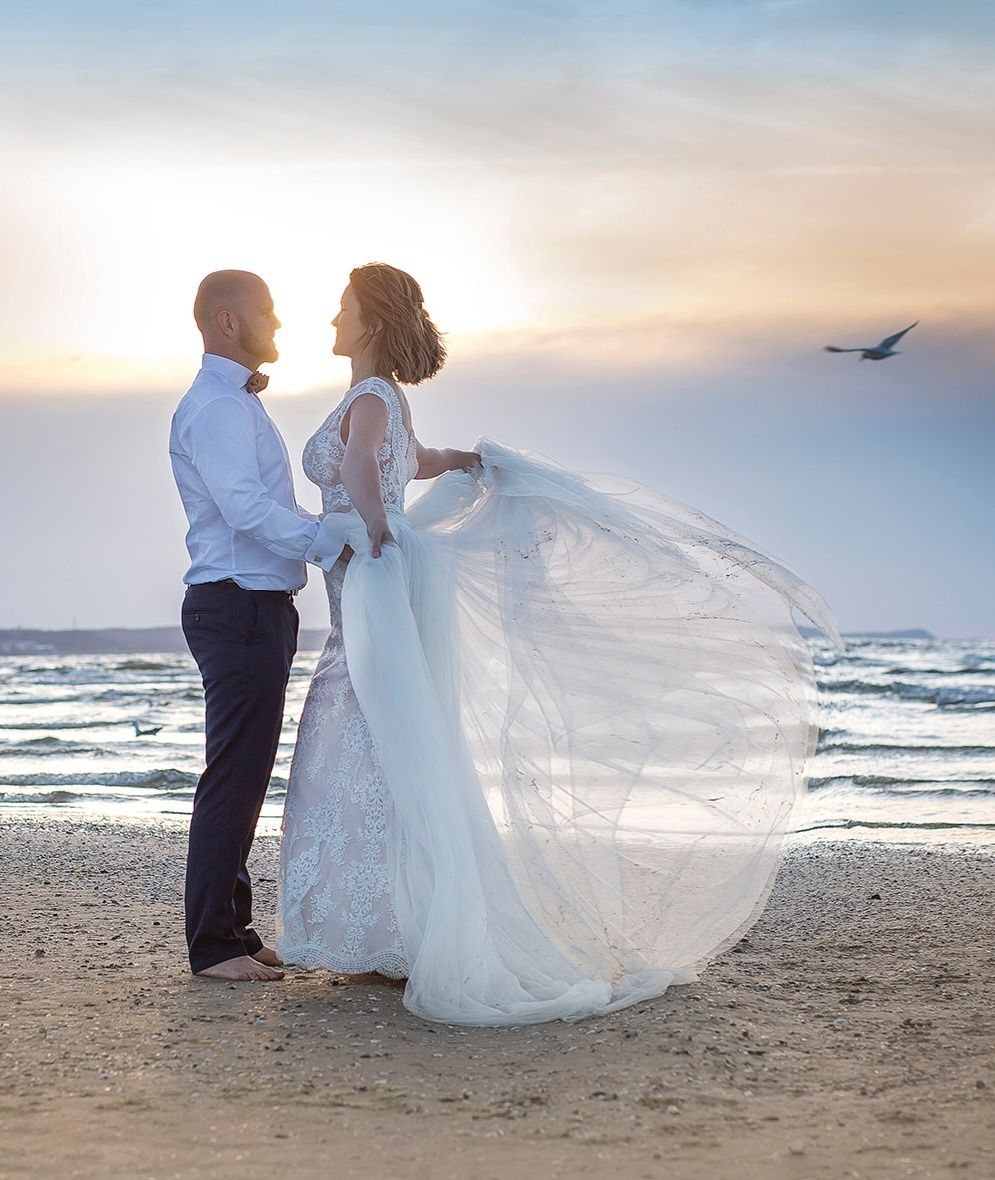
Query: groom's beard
[{"x": 264, "y": 349}]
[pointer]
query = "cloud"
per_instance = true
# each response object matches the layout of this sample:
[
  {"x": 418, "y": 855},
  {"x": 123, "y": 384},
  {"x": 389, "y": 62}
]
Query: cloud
[{"x": 609, "y": 83}]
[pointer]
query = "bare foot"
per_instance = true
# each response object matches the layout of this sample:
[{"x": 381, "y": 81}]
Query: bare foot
[
  {"x": 244, "y": 968},
  {"x": 268, "y": 956}
]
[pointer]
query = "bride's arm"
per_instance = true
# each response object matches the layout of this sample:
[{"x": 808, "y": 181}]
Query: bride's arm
[
  {"x": 432, "y": 462},
  {"x": 361, "y": 470}
]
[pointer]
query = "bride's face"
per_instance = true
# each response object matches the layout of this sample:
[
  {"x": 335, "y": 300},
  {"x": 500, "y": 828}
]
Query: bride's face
[{"x": 349, "y": 327}]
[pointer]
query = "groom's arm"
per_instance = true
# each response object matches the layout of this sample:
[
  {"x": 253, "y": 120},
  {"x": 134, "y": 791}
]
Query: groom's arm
[{"x": 221, "y": 443}]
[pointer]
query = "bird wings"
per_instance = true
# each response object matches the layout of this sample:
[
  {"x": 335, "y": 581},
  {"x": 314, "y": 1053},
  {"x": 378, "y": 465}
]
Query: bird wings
[
  {"x": 886, "y": 345},
  {"x": 891, "y": 341}
]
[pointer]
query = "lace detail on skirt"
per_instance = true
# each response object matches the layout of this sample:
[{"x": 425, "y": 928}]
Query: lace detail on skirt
[{"x": 334, "y": 907}]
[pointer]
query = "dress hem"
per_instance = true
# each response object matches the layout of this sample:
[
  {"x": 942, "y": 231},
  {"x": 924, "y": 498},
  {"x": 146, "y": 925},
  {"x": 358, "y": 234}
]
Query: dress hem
[{"x": 390, "y": 965}]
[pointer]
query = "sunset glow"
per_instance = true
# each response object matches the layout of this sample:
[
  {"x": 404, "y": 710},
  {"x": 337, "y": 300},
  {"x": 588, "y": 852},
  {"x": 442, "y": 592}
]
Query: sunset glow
[{"x": 637, "y": 224}]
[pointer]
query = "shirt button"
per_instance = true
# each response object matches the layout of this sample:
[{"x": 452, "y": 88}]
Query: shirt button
[{"x": 318, "y": 557}]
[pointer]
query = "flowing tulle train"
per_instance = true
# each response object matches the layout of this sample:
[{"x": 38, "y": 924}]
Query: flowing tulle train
[{"x": 592, "y": 709}]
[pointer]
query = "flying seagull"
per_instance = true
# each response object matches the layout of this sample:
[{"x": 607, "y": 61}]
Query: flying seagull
[
  {"x": 139, "y": 732},
  {"x": 879, "y": 352}
]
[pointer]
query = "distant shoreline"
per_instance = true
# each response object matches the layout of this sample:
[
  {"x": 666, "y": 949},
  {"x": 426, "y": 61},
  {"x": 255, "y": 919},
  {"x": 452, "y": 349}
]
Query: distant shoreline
[{"x": 118, "y": 640}]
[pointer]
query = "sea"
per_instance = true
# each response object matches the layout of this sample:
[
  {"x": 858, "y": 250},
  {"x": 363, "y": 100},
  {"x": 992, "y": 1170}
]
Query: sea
[{"x": 906, "y": 754}]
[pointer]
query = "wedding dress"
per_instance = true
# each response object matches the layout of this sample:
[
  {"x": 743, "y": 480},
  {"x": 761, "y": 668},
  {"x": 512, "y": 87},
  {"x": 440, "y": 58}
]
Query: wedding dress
[{"x": 551, "y": 745}]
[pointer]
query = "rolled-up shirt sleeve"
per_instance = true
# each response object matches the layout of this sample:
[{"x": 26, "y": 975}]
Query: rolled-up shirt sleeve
[{"x": 220, "y": 440}]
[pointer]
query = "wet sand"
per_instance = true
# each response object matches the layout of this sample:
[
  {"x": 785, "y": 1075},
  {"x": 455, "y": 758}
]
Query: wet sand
[{"x": 849, "y": 1035}]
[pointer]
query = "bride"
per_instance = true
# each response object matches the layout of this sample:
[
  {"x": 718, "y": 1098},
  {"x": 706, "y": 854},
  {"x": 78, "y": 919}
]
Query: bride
[{"x": 559, "y": 725}]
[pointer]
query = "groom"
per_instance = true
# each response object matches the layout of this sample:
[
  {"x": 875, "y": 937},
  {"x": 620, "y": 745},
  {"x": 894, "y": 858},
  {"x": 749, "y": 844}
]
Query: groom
[{"x": 248, "y": 542}]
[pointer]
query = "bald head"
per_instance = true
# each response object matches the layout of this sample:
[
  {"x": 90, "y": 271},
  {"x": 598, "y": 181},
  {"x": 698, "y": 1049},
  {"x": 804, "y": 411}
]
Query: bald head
[{"x": 234, "y": 312}]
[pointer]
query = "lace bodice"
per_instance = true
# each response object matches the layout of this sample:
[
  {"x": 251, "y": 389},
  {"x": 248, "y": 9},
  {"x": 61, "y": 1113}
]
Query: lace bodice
[{"x": 324, "y": 450}]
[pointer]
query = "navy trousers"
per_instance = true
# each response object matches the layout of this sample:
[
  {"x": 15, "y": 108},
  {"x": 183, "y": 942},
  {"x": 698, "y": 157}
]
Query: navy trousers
[{"x": 244, "y": 643}]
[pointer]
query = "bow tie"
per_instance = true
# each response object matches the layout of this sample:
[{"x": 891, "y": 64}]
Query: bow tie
[{"x": 256, "y": 383}]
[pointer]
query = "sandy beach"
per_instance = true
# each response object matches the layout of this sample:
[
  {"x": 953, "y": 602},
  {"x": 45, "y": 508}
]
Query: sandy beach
[{"x": 848, "y": 1036}]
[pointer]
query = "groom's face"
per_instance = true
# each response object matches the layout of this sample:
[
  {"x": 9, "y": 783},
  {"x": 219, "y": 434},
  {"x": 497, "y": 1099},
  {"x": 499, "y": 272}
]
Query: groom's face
[{"x": 257, "y": 325}]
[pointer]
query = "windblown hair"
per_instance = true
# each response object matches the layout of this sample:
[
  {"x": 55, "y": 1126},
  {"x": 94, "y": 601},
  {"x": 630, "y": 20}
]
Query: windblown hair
[{"x": 409, "y": 347}]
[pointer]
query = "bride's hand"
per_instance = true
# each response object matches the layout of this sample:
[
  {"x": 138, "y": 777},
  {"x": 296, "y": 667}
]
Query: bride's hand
[{"x": 379, "y": 533}]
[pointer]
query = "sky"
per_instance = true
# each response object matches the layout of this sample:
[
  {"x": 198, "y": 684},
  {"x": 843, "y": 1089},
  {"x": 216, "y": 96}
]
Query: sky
[{"x": 638, "y": 223}]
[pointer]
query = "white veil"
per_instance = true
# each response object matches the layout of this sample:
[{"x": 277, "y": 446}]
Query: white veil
[{"x": 592, "y": 708}]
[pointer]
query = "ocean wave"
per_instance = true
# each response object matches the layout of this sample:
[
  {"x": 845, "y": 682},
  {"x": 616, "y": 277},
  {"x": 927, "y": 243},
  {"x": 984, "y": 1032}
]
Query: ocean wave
[
  {"x": 979, "y": 661},
  {"x": 966, "y": 696},
  {"x": 29, "y": 725},
  {"x": 869, "y": 687},
  {"x": 49, "y": 670},
  {"x": 43, "y": 747},
  {"x": 83, "y": 694},
  {"x": 910, "y": 670},
  {"x": 154, "y": 780},
  {"x": 146, "y": 665},
  {"x": 49, "y": 797},
  {"x": 894, "y": 748},
  {"x": 90, "y": 693},
  {"x": 895, "y": 824},
  {"x": 21, "y": 699},
  {"x": 942, "y": 697},
  {"x": 887, "y": 783},
  {"x": 169, "y": 780}
]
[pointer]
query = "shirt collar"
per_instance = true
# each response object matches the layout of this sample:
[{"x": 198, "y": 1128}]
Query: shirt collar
[{"x": 231, "y": 370}]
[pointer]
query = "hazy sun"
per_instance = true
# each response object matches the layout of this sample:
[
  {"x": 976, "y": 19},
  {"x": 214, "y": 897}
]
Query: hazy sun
[{"x": 301, "y": 227}]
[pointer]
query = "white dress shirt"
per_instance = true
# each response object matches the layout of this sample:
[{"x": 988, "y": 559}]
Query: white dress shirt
[{"x": 233, "y": 473}]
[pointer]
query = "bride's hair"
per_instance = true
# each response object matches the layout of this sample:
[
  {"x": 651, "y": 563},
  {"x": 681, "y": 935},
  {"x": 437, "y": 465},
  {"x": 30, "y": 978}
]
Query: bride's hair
[{"x": 409, "y": 346}]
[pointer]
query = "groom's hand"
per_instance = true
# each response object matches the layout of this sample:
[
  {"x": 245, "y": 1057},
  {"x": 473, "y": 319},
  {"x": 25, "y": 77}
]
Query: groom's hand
[
  {"x": 466, "y": 461},
  {"x": 379, "y": 534}
]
